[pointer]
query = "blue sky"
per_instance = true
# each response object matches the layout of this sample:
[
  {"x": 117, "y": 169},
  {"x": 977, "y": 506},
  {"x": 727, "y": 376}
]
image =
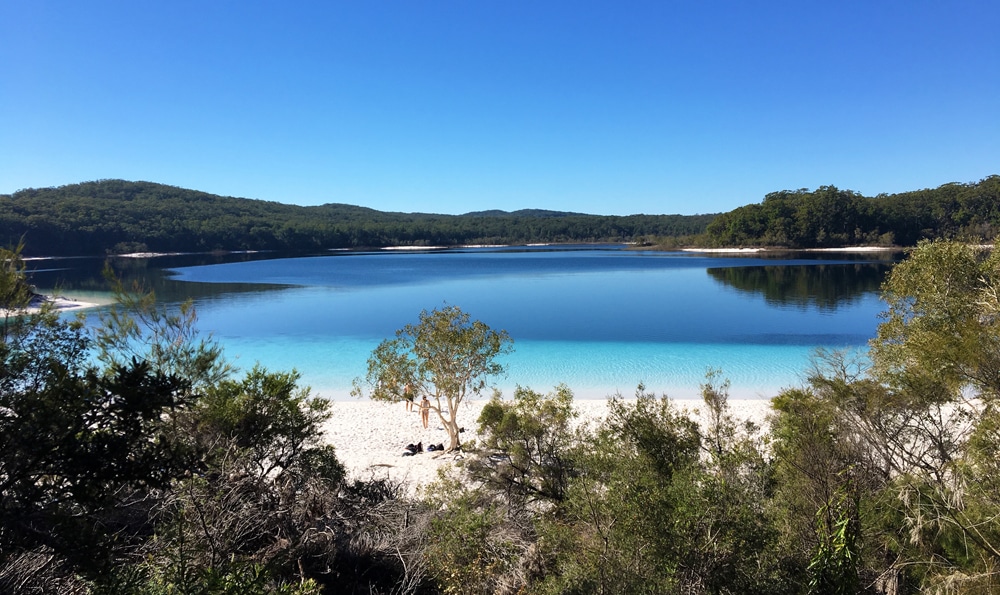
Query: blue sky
[{"x": 449, "y": 107}]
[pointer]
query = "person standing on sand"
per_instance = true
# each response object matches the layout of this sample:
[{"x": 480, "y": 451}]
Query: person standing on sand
[
  {"x": 408, "y": 397},
  {"x": 425, "y": 411}
]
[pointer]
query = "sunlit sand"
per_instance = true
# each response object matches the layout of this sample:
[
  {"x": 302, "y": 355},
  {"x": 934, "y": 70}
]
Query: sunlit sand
[{"x": 370, "y": 437}]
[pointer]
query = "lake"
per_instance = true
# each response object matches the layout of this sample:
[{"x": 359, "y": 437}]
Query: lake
[{"x": 601, "y": 319}]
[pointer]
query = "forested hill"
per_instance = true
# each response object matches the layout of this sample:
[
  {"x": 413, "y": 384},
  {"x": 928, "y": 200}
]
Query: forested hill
[
  {"x": 108, "y": 216},
  {"x": 830, "y": 217}
]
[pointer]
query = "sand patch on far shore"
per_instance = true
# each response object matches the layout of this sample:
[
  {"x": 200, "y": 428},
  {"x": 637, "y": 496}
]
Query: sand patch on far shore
[{"x": 60, "y": 303}]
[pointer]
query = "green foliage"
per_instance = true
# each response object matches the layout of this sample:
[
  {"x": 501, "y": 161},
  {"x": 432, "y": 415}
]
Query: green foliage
[
  {"x": 646, "y": 512},
  {"x": 135, "y": 327},
  {"x": 941, "y": 333},
  {"x": 267, "y": 485},
  {"x": 472, "y": 548},
  {"x": 938, "y": 354},
  {"x": 886, "y": 483},
  {"x": 721, "y": 429},
  {"x": 75, "y": 444},
  {"x": 830, "y": 217},
  {"x": 263, "y": 499},
  {"x": 35, "y": 346},
  {"x": 115, "y": 216},
  {"x": 484, "y": 536},
  {"x": 530, "y": 443},
  {"x": 831, "y": 484},
  {"x": 74, "y": 447},
  {"x": 266, "y": 420},
  {"x": 630, "y": 506},
  {"x": 239, "y": 579},
  {"x": 446, "y": 356},
  {"x": 15, "y": 292},
  {"x": 833, "y": 569}
]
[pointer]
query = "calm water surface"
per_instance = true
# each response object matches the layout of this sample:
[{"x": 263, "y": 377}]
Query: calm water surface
[{"x": 600, "y": 319}]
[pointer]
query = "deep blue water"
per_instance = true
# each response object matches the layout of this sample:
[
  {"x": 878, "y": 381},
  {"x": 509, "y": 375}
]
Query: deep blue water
[{"x": 599, "y": 319}]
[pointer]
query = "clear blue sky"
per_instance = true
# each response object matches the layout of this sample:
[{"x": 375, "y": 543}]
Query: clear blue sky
[{"x": 449, "y": 107}]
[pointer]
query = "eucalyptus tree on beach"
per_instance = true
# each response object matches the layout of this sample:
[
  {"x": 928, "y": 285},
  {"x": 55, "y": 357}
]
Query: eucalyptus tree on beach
[{"x": 446, "y": 357}]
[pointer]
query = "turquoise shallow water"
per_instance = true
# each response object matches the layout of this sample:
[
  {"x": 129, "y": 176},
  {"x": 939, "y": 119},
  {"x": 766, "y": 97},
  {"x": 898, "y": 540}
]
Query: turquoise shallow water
[{"x": 592, "y": 370}]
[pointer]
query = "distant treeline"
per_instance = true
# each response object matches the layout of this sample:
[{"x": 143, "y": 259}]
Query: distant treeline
[
  {"x": 110, "y": 216},
  {"x": 115, "y": 216},
  {"x": 830, "y": 217}
]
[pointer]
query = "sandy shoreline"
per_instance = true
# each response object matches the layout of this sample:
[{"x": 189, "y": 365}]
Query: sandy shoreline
[
  {"x": 66, "y": 304},
  {"x": 370, "y": 437},
  {"x": 59, "y": 303},
  {"x": 858, "y": 249},
  {"x": 678, "y": 391}
]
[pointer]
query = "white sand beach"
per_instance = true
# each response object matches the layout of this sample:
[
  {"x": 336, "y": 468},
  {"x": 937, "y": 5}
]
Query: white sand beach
[
  {"x": 65, "y": 304},
  {"x": 370, "y": 437},
  {"x": 60, "y": 303}
]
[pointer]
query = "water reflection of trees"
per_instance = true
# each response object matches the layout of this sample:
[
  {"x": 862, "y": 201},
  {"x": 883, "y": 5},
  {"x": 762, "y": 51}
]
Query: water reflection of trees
[
  {"x": 823, "y": 286},
  {"x": 68, "y": 275}
]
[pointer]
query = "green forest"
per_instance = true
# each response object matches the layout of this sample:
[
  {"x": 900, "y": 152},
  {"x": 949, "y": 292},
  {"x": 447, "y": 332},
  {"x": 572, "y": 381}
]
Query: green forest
[
  {"x": 115, "y": 216},
  {"x": 133, "y": 459},
  {"x": 830, "y": 218}
]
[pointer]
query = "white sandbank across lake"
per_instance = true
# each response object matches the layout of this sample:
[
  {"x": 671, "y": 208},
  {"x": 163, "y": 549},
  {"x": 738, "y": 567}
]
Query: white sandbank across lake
[
  {"x": 60, "y": 303},
  {"x": 66, "y": 304},
  {"x": 370, "y": 437}
]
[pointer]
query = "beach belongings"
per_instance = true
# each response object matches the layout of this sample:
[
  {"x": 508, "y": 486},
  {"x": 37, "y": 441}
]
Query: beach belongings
[{"x": 412, "y": 449}]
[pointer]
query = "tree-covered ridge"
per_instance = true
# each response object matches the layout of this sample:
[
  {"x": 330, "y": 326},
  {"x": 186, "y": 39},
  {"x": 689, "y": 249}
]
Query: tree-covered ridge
[
  {"x": 830, "y": 217},
  {"x": 121, "y": 216},
  {"x": 110, "y": 216}
]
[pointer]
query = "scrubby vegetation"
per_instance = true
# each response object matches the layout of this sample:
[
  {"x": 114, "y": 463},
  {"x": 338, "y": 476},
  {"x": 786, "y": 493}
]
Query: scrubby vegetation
[
  {"x": 876, "y": 476},
  {"x": 153, "y": 469}
]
